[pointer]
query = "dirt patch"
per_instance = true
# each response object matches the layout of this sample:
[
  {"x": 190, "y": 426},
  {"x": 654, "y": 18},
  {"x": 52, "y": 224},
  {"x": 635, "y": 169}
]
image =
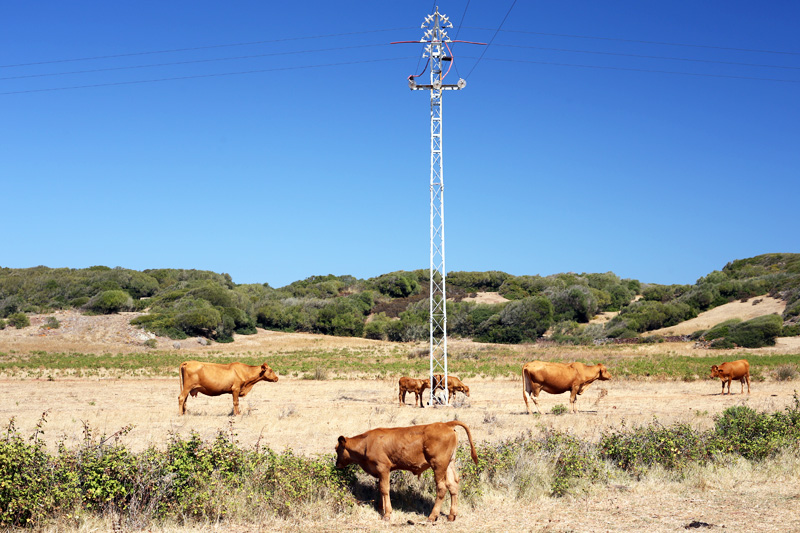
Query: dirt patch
[{"x": 486, "y": 298}]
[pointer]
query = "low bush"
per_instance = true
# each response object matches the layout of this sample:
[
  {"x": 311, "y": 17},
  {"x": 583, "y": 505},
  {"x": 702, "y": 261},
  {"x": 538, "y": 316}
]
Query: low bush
[
  {"x": 19, "y": 320},
  {"x": 108, "y": 302}
]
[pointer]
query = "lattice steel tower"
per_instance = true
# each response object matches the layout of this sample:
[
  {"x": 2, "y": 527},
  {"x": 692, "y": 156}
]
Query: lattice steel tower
[{"x": 437, "y": 52}]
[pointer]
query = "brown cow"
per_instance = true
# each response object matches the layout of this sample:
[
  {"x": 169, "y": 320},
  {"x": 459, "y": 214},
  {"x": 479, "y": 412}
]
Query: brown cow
[
  {"x": 557, "y": 378},
  {"x": 214, "y": 379},
  {"x": 417, "y": 448},
  {"x": 417, "y": 386},
  {"x": 727, "y": 372},
  {"x": 453, "y": 385}
]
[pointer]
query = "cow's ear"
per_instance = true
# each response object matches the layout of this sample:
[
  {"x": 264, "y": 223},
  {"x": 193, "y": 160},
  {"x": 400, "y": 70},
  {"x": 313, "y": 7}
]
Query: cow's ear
[
  {"x": 342, "y": 439},
  {"x": 264, "y": 368}
]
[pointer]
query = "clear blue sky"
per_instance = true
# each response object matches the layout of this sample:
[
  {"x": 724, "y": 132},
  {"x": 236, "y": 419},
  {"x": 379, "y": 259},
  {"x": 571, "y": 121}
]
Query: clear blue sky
[{"x": 655, "y": 140}]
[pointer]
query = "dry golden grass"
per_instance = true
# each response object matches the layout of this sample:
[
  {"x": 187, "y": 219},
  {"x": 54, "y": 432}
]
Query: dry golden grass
[{"x": 308, "y": 416}]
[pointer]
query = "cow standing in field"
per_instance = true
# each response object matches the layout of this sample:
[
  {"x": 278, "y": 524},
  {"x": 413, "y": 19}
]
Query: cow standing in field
[
  {"x": 453, "y": 385},
  {"x": 417, "y": 386},
  {"x": 417, "y": 448},
  {"x": 557, "y": 378},
  {"x": 214, "y": 379},
  {"x": 727, "y": 372}
]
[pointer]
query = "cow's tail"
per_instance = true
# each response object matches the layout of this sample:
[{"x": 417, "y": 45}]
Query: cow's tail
[
  {"x": 455, "y": 423},
  {"x": 181, "y": 370}
]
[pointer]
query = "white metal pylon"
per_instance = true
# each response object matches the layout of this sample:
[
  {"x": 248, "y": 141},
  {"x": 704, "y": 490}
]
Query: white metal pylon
[{"x": 437, "y": 52}]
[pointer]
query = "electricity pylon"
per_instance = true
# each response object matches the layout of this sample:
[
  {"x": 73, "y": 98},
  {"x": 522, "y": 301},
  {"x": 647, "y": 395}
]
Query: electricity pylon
[{"x": 437, "y": 51}]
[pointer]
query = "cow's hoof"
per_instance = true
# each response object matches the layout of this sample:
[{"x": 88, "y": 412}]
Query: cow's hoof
[
  {"x": 432, "y": 518},
  {"x": 386, "y": 518},
  {"x": 451, "y": 518}
]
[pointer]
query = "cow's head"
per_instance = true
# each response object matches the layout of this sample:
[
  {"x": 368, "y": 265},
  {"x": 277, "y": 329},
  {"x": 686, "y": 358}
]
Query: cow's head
[
  {"x": 342, "y": 454},
  {"x": 714, "y": 371},
  {"x": 465, "y": 389},
  {"x": 268, "y": 374},
  {"x": 604, "y": 373}
]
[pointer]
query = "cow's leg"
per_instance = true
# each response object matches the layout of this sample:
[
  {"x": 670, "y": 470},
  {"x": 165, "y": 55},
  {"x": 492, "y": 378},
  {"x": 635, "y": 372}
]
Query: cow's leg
[
  {"x": 235, "y": 401},
  {"x": 440, "y": 476},
  {"x": 747, "y": 377},
  {"x": 182, "y": 402},
  {"x": 402, "y": 397},
  {"x": 730, "y": 378},
  {"x": 417, "y": 399},
  {"x": 723, "y": 386},
  {"x": 572, "y": 397},
  {"x": 386, "y": 504},
  {"x": 451, "y": 480},
  {"x": 535, "y": 397}
]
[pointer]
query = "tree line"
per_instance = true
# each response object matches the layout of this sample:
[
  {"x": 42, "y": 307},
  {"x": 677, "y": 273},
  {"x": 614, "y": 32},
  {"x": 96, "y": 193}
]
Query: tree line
[{"x": 181, "y": 303}]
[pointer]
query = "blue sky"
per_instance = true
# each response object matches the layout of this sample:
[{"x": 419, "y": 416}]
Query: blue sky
[{"x": 655, "y": 140}]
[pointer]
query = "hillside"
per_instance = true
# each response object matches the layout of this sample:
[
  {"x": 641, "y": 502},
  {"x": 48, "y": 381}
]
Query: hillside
[
  {"x": 487, "y": 307},
  {"x": 746, "y": 310}
]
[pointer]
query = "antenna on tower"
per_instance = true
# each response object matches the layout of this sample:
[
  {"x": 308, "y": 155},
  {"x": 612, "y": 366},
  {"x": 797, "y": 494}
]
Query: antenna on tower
[{"x": 437, "y": 52}]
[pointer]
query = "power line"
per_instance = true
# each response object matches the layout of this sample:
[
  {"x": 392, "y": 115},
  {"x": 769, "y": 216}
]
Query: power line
[
  {"x": 647, "y": 56},
  {"x": 199, "y": 48},
  {"x": 642, "y": 70},
  {"x": 463, "y": 15},
  {"x": 492, "y": 39},
  {"x": 713, "y": 47},
  {"x": 192, "y": 61},
  {"x": 206, "y": 75}
]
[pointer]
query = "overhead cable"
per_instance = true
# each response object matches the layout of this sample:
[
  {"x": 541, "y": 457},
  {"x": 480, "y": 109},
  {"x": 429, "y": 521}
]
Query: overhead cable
[
  {"x": 712, "y": 47},
  {"x": 492, "y": 39},
  {"x": 206, "y": 75},
  {"x": 199, "y": 48}
]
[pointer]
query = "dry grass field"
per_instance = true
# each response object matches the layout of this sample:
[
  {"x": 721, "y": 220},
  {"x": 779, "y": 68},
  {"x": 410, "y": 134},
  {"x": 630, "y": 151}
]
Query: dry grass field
[{"x": 308, "y": 415}]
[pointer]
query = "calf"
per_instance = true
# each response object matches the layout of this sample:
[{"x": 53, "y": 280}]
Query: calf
[
  {"x": 453, "y": 385},
  {"x": 727, "y": 372},
  {"x": 417, "y": 386},
  {"x": 416, "y": 449}
]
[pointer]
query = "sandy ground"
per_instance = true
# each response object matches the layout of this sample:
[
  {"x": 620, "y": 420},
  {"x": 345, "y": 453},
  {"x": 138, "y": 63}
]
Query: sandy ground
[{"x": 308, "y": 416}]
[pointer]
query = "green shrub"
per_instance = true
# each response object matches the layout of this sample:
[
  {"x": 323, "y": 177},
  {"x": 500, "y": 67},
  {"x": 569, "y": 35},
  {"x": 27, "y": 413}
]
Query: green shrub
[
  {"x": 52, "y": 323},
  {"x": 721, "y": 330},
  {"x": 757, "y": 332},
  {"x": 722, "y": 344},
  {"x": 108, "y": 302},
  {"x": 150, "y": 343},
  {"x": 756, "y": 436},
  {"x": 559, "y": 409},
  {"x": 638, "y": 449},
  {"x": 3, "y": 324},
  {"x": 19, "y": 320}
]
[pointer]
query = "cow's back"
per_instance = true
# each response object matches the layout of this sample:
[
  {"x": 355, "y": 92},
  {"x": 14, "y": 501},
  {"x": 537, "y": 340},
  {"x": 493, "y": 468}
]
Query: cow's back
[
  {"x": 554, "y": 378},
  {"x": 735, "y": 369}
]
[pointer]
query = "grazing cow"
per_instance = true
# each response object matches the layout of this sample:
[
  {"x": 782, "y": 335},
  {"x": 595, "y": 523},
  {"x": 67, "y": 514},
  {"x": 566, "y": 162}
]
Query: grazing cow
[
  {"x": 417, "y": 386},
  {"x": 214, "y": 379},
  {"x": 417, "y": 448},
  {"x": 727, "y": 372},
  {"x": 557, "y": 378},
  {"x": 453, "y": 385}
]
